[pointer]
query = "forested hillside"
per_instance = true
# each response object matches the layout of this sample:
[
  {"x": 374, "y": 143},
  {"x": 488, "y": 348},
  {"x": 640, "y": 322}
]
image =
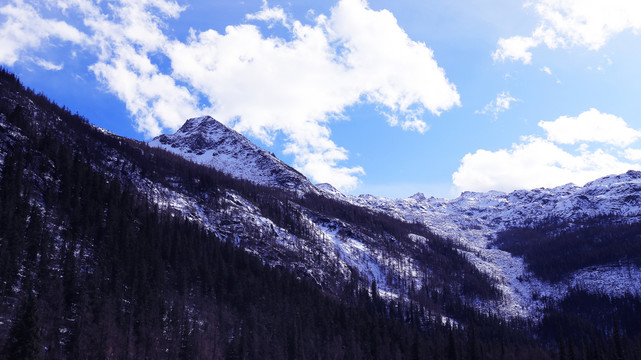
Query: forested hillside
[
  {"x": 552, "y": 253},
  {"x": 91, "y": 269}
]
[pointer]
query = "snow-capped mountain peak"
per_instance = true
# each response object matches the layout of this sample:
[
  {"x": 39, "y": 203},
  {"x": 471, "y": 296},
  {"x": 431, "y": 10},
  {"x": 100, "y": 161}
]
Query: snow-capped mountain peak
[
  {"x": 209, "y": 142},
  {"x": 328, "y": 188},
  {"x": 419, "y": 196}
]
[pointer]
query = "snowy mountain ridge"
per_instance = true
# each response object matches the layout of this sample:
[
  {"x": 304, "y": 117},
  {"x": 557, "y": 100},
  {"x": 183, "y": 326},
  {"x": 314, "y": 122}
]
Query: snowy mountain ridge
[{"x": 475, "y": 219}]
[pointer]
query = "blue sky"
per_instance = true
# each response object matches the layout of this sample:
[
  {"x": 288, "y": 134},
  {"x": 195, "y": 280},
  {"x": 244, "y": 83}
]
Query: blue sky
[{"x": 381, "y": 97}]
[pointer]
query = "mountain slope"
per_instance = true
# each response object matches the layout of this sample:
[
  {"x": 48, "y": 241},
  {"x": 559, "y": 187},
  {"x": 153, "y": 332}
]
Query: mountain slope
[
  {"x": 332, "y": 242},
  {"x": 90, "y": 269},
  {"x": 478, "y": 219}
]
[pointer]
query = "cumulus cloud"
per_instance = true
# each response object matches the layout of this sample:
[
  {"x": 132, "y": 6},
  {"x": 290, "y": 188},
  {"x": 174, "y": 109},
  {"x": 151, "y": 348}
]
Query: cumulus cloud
[
  {"x": 632, "y": 154},
  {"x": 298, "y": 86},
  {"x": 590, "y": 126},
  {"x": 515, "y": 48},
  {"x": 259, "y": 83},
  {"x": 23, "y": 29},
  {"x": 537, "y": 162},
  {"x": 587, "y": 23},
  {"x": 498, "y": 105}
]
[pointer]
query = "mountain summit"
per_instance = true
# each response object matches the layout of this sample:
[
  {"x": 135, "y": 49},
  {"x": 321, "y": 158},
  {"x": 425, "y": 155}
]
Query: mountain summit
[{"x": 206, "y": 141}]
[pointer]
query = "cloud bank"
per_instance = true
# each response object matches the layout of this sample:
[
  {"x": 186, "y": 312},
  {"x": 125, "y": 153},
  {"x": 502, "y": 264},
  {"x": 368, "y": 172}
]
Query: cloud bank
[
  {"x": 259, "y": 83},
  {"x": 537, "y": 162},
  {"x": 565, "y": 23},
  {"x": 590, "y": 126},
  {"x": 24, "y": 30}
]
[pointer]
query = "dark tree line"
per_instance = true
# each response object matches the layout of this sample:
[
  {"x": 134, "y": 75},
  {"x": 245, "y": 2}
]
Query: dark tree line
[
  {"x": 555, "y": 248},
  {"x": 586, "y": 315}
]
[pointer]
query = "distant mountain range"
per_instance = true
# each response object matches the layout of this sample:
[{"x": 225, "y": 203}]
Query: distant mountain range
[{"x": 473, "y": 221}]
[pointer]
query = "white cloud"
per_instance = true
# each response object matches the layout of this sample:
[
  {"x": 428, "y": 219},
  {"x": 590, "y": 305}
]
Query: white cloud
[
  {"x": 587, "y": 23},
  {"x": 393, "y": 70},
  {"x": 632, "y": 154},
  {"x": 590, "y": 126},
  {"x": 515, "y": 48},
  {"x": 498, "y": 105},
  {"x": 125, "y": 44},
  {"x": 269, "y": 14},
  {"x": 154, "y": 99},
  {"x": 47, "y": 65},
  {"x": 412, "y": 120},
  {"x": 534, "y": 163},
  {"x": 546, "y": 70},
  {"x": 24, "y": 30},
  {"x": 260, "y": 83},
  {"x": 537, "y": 162}
]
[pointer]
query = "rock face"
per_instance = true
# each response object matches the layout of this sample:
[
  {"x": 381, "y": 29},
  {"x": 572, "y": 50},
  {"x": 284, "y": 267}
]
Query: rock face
[{"x": 206, "y": 141}]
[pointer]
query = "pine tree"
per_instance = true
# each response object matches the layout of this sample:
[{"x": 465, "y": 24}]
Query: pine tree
[
  {"x": 13, "y": 212},
  {"x": 562, "y": 352},
  {"x": 473, "y": 344},
  {"x": 618, "y": 341},
  {"x": 24, "y": 340},
  {"x": 451, "y": 347}
]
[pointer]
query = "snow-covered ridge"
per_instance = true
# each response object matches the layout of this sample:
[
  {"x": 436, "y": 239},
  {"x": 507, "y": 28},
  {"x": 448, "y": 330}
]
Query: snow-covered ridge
[
  {"x": 474, "y": 219},
  {"x": 206, "y": 141},
  {"x": 611, "y": 195}
]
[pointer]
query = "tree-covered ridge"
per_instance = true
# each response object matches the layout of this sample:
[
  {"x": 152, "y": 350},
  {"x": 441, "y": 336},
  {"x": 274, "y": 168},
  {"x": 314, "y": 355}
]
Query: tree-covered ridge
[
  {"x": 134, "y": 159},
  {"x": 96, "y": 271}
]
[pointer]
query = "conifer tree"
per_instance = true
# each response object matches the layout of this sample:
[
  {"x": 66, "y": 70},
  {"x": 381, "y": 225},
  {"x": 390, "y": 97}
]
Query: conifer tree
[
  {"x": 618, "y": 341},
  {"x": 451, "y": 347},
  {"x": 24, "y": 341}
]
